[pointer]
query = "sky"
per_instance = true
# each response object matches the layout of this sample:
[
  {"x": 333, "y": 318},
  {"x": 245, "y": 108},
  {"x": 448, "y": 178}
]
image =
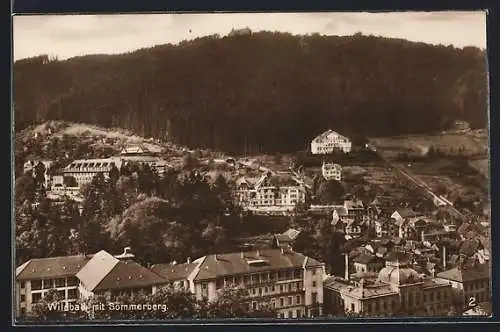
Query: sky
[{"x": 66, "y": 36}]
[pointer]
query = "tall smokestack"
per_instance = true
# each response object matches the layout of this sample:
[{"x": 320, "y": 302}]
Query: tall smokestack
[
  {"x": 444, "y": 257},
  {"x": 346, "y": 266}
]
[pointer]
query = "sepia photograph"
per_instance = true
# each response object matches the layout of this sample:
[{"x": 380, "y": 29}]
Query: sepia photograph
[{"x": 272, "y": 166}]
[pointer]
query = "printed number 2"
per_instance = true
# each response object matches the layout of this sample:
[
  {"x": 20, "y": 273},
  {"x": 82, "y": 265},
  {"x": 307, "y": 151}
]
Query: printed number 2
[{"x": 472, "y": 302}]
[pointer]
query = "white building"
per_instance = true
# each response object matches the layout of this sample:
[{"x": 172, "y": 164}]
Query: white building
[
  {"x": 269, "y": 191},
  {"x": 331, "y": 171},
  {"x": 84, "y": 170},
  {"x": 287, "y": 281},
  {"x": 330, "y": 141}
]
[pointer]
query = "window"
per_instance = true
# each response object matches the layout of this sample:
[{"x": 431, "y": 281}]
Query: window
[
  {"x": 72, "y": 281},
  {"x": 314, "y": 283},
  {"x": 289, "y": 287},
  {"x": 266, "y": 290},
  {"x": 60, "y": 282},
  {"x": 272, "y": 288},
  {"x": 353, "y": 308},
  {"x": 254, "y": 291},
  {"x": 22, "y": 285},
  {"x": 376, "y": 305},
  {"x": 290, "y": 314},
  {"x": 314, "y": 296},
  {"x": 298, "y": 313},
  {"x": 254, "y": 305},
  {"x": 23, "y": 311},
  {"x": 23, "y": 297},
  {"x": 35, "y": 297},
  {"x": 282, "y": 302},
  {"x": 425, "y": 297},
  {"x": 48, "y": 283},
  {"x": 204, "y": 286},
  {"x": 273, "y": 304},
  {"x": 281, "y": 288},
  {"x": 260, "y": 291},
  {"x": 438, "y": 295},
  {"x": 290, "y": 300},
  {"x": 36, "y": 284},
  {"x": 314, "y": 272},
  {"x": 73, "y": 293},
  {"x": 298, "y": 299},
  {"x": 61, "y": 294}
]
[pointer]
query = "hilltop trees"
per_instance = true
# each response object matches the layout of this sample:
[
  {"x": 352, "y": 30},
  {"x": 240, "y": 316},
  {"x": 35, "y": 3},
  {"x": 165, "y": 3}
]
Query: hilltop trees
[{"x": 261, "y": 92}]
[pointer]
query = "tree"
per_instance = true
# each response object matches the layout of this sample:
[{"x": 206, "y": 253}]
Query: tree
[{"x": 329, "y": 192}]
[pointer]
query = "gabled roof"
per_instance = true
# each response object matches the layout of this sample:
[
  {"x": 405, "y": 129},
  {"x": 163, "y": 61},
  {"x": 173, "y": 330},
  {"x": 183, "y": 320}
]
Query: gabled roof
[
  {"x": 476, "y": 272},
  {"x": 97, "y": 269},
  {"x": 406, "y": 212},
  {"x": 52, "y": 267},
  {"x": 129, "y": 274},
  {"x": 326, "y": 135},
  {"x": 366, "y": 259},
  {"x": 213, "y": 266},
  {"x": 104, "y": 272}
]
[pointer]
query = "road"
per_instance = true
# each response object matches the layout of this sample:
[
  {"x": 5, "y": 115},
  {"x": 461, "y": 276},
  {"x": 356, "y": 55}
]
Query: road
[{"x": 407, "y": 174}]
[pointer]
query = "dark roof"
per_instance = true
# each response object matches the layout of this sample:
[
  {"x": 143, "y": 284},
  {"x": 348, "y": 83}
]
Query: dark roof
[
  {"x": 366, "y": 259},
  {"x": 476, "y": 272},
  {"x": 129, "y": 274},
  {"x": 173, "y": 272},
  {"x": 105, "y": 271},
  {"x": 52, "y": 267},
  {"x": 213, "y": 266}
]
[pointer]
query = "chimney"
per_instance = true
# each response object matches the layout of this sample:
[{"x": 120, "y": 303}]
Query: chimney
[
  {"x": 127, "y": 253},
  {"x": 444, "y": 257},
  {"x": 189, "y": 260},
  {"x": 346, "y": 267}
]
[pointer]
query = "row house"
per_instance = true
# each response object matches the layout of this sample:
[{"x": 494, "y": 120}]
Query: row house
[
  {"x": 80, "y": 277},
  {"x": 330, "y": 141},
  {"x": 284, "y": 280},
  {"x": 331, "y": 171},
  {"x": 270, "y": 191},
  {"x": 398, "y": 290}
]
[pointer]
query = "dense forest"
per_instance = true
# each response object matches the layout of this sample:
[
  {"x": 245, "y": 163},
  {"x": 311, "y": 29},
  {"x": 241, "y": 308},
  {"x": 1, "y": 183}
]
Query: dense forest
[{"x": 262, "y": 92}]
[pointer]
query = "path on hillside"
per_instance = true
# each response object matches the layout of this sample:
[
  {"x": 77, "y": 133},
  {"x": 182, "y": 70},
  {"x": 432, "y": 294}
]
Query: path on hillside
[{"x": 407, "y": 174}]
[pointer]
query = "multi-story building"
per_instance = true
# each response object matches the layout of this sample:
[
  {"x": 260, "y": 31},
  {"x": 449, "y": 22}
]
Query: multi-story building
[
  {"x": 37, "y": 276},
  {"x": 84, "y": 170},
  {"x": 80, "y": 276},
  {"x": 270, "y": 192},
  {"x": 287, "y": 281},
  {"x": 112, "y": 276},
  {"x": 469, "y": 283},
  {"x": 330, "y": 141},
  {"x": 398, "y": 290},
  {"x": 331, "y": 171}
]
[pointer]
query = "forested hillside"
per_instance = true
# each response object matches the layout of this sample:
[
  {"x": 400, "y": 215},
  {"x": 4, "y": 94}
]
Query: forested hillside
[{"x": 262, "y": 92}]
